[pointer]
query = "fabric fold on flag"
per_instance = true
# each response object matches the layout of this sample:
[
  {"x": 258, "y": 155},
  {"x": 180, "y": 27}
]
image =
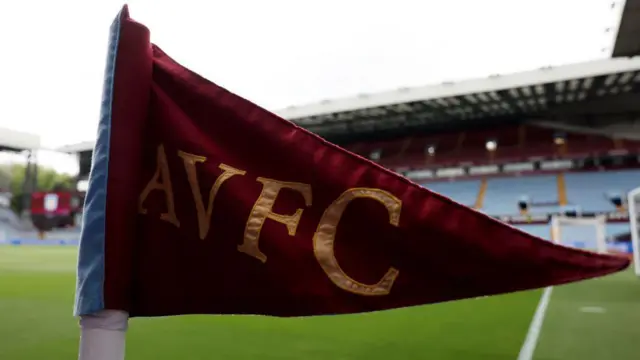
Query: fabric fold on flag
[{"x": 201, "y": 202}]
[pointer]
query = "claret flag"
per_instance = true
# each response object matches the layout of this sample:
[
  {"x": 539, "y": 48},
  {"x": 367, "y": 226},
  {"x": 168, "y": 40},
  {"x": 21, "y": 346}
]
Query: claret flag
[{"x": 201, "y": 202}]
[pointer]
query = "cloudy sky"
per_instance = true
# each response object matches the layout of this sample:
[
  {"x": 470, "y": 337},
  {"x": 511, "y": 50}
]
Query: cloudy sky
[{"x": 282, "y": 52}]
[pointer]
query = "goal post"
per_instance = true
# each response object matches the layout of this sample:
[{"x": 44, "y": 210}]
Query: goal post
[
  {"x": 633, "y": 205},
  {"x": 597, "y": 223}
]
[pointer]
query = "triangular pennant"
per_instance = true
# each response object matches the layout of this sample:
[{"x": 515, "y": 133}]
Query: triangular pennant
[{"x": 202, "y": 202}]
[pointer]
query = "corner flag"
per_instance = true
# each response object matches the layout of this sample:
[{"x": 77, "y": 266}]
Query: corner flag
[{"x": 200, "y": 202}]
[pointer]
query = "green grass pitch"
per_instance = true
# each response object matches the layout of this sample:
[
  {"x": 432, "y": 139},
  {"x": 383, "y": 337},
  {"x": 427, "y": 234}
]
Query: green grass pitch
[{"x": 597, "y": 319}]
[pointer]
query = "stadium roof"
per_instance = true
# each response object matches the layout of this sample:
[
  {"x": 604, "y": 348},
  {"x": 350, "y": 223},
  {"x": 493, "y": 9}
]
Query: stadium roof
[
  {"x": 471, "y": 101},
  {"x": 11, "y": 140},
  {"x": 520, "y": 94},
  {"x": 628, "y": 38},
  {"x": 76, "y": 148}
]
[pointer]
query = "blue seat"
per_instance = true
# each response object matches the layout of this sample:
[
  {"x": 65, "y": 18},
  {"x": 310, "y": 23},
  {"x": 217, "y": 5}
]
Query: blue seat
[
  {"x": 464, "y": 192},
  {"x": 582, "y": 234},
  {"x": 589, "y": 190},
  {"x": 503, "y": 194},
  {"x": 617, "y": 229},
  {"x": 541, "y": 231}
]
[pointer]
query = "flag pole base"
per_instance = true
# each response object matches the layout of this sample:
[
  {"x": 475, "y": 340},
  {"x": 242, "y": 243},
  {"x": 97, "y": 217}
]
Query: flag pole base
[{"x": 102, "y": 335}]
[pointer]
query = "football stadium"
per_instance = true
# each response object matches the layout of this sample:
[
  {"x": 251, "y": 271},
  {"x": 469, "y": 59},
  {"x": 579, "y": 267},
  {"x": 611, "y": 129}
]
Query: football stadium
[{"x": 553, "y": 151}]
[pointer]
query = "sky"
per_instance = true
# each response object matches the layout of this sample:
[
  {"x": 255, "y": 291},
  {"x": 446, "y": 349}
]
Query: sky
[{"x": 279, "y": 53}]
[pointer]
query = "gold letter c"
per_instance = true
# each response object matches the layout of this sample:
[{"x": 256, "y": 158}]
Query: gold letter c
[{"x": 324, "y": 239}]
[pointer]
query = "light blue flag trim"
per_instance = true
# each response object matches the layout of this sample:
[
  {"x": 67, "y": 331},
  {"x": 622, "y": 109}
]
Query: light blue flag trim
[{"x": 91, "y": 264}]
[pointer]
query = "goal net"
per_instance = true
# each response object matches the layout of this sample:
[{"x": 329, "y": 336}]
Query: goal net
[
  {"x": 587, "y": 233},
  {"x": 633, "y": 204}
]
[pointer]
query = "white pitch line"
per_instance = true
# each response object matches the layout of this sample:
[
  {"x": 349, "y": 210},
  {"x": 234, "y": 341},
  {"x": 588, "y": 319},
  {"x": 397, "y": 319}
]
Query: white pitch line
[{"x": 530, "y": 342}]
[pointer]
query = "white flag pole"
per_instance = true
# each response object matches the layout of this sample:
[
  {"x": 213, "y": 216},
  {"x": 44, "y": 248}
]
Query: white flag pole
[{"x": 102, "y": 335}]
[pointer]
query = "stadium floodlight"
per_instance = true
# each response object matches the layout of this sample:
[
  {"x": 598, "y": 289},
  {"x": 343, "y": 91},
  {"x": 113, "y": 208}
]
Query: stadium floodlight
[
  {"x": 375, "y": 155},
  {"x": 559, "y": 138},
  {"x": 598, "y": 222},
  {"x": 633, "y": 204}
]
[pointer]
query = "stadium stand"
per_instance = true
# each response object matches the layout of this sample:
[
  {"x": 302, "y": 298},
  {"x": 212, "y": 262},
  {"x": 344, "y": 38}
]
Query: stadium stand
[
  {"x": 513, "y": 144},
  {"x": 464, "y": 192},
  {"x": 12, "y": 225},
  {"x": 520, "y": 147},
  {"x": 593, "y": 192},
  {"x": 504, "y": 194},
  {"x": 585, "y": 192},
  {"x": 542, "y": 231}
]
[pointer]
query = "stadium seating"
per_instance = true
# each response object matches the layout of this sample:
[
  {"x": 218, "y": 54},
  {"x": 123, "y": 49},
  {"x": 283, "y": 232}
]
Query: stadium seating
[
  {"x": 542, "y": 231},
  {"x": 503, "y": 194},
  {"x": 617, "y": 229},
  {"x": 589, "y": 191},
  {"x": 586, "y": 191},
  {"x": 576, "y": 235},
  {"x": 464, "y": 191}
]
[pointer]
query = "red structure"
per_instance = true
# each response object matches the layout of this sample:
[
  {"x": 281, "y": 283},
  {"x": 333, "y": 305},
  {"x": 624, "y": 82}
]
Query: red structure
[
  {"x": 510, "y": 144},
  {"x": 56, "y": 209}
]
